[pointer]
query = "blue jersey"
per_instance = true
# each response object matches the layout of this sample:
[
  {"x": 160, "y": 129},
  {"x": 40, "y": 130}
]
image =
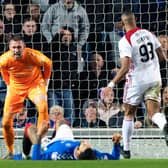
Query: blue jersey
[{"x": 64, "y": 150}]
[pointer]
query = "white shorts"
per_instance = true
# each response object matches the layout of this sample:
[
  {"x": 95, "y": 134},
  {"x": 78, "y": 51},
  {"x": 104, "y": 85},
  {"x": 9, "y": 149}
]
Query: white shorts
[
  {"x": 64, "y": 132},
  {"x": 137, "y": 94}
]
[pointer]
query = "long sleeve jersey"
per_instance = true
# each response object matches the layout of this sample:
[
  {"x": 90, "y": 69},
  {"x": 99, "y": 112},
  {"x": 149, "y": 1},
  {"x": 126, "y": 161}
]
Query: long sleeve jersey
[{"x": 30, "y": 69}]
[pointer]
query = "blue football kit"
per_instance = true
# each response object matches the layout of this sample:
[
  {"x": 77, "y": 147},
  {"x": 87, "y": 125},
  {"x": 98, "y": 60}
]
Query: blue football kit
[{"x": 64, "y": 150}]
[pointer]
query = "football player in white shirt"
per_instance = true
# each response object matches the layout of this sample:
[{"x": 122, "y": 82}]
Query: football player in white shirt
[{"x": 140, "y": 52}]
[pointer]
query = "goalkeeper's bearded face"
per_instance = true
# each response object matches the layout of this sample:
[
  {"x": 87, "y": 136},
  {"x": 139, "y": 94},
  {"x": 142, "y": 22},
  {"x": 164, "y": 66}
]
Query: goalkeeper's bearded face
[{"x": 17, "y": 48}]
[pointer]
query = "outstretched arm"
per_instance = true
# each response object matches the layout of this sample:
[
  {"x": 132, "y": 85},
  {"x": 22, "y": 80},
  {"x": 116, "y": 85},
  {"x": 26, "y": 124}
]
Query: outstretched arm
[
  {"x": 125, "y": 63},
  {"x": 115, "y": 155}
]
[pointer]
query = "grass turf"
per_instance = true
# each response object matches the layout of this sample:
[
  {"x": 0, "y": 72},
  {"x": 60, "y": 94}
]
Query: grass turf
[{"x": 132, "y": 163}]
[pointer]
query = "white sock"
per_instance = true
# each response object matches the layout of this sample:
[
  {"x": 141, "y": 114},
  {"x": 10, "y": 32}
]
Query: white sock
[
  {"x": 127, "y": 131},
  {"x": 159, "y": 119},
  {"x": 24, "y": 156}
]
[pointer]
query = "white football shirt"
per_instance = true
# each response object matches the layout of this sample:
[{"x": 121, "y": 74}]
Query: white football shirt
[{"x": 140, "y": 45}]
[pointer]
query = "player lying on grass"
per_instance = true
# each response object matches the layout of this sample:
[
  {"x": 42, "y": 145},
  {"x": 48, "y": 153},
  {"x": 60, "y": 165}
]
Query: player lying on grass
[{"x": 64, "y": 147}]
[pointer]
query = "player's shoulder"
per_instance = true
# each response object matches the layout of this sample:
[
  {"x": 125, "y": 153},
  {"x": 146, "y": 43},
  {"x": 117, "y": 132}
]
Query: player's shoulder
[
  {"x": 8, "y": 55},
  {"x": 146, "y": 32},
  {"x": 29, "y": 50},
  {"x": 123, "y": 42},
  {"x": 33, "y": 52}
]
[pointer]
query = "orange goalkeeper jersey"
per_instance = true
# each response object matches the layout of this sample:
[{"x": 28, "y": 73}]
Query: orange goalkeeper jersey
[{"x": 30, "y": 69}]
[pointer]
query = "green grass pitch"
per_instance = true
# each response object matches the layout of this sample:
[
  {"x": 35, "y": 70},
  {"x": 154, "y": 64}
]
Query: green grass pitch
[{"x": 132, "y": 163}]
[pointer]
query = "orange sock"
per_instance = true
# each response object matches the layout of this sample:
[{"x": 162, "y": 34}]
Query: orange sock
[
  {"x": 8, "y": 133},
  {"x": 42, "y": 113}
]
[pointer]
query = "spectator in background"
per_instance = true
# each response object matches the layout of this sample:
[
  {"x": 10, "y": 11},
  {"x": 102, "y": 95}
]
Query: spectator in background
[
  {"x": 101, "y": 19},
  {"x": 20, "y": 5},
  {"x": 99, "y": 14},
  {"x": 163, "y": 39},
  {"x": 95, "y": 76},
  {"x": 45, "y": 4},
  {"x": 32, "y": 37},
  {"x": 64, "y": 75},
  {"x": 33, "y": 10},
  {"x": 164, "y": 109},
  {"x": 115, "y": 35},
  {"x": 21, "y": 119},
  {"x": 66, "y": 13},
  {"x": 110, "y": 112},
  {"x": 3, "y": 42},
  {"x": 113, "y": 113},
  {"x": 164, "y": 42},
  {"x": 89, "y": 116},
  {"x": 11, "y": 19},
  {"x": 57, "y": 114}
]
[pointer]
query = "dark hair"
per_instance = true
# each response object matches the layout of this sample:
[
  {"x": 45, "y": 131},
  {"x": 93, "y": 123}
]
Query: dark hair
[
  {"x": 88, "y": 154},
  {"x": 58, "y": 38},
  {"x": 8, "y": 3},
  {"x": 92, "y": 57},
  {"x": 69, "y": 29},
  {"x": 16, "y": 38},
  {"x": 28, "y": 18},
  {"x": 89, "y": 103}
]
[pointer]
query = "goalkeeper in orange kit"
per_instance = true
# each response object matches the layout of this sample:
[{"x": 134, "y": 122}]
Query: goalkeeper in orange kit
[{"x": 26, "y": 73}]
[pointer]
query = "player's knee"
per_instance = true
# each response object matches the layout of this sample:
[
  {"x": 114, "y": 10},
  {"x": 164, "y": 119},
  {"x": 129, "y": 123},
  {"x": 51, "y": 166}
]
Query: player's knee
[
  {"x": 42, "y": 108},
  {"x": 38, "y": 100},
  {"x": 6, "y": 125},
  {"x": 129, "y": 110},
  {"x": 129, "y": 113},
  {"x": 150, "y": 115},
  {"x": 7, "y": 122}
]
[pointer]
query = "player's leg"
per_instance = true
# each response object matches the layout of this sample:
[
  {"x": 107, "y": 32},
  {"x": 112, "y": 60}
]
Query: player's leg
[
  {"x": 127, "y": 129},
  {"x": 38, "y": 96},
  {"x": 152, "y": 97},
  {"x": 153, "y": 110},
  {"x": 35, "y": 136},
  {"x": 131, "y": 98},
  {"x": 26, "y": 143},
  {"x": 8, "y": 134},
  {"x": 64, "y": 132},
  {"x": 13, "y": 104}
]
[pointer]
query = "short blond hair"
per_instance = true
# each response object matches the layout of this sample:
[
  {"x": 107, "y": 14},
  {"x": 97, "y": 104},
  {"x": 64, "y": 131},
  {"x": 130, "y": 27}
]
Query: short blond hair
[
  {"x": 57, "y": 108},
  {"x": 128, "y": 18}
]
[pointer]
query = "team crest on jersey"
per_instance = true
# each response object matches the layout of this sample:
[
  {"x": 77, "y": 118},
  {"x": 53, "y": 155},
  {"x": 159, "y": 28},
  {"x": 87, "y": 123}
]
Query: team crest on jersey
[{"x": 54, "y": 156}]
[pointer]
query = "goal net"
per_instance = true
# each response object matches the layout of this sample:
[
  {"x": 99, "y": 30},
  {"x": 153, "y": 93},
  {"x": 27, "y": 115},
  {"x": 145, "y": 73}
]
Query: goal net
[{"x": 77, "y": 76}]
